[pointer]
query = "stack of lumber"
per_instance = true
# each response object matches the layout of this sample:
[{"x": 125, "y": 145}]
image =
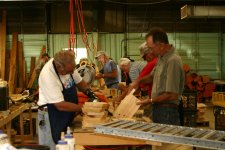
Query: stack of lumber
[
  {"x": 94, "y": 113},
  {"x": 200, "y": 83},
  {"x": 12, "y": 61}
]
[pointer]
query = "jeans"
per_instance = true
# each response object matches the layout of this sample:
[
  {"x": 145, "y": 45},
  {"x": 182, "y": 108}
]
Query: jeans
[
  {"x": 44, "y": 130},
  {"x": 165, "y": 115}
]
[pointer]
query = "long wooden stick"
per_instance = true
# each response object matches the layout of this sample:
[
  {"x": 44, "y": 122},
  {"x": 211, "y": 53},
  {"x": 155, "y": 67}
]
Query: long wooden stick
[
  {"x": 33, "y": 76},
  {"x": 12, "y": 69},
  {"x": 3, "y": 45}
]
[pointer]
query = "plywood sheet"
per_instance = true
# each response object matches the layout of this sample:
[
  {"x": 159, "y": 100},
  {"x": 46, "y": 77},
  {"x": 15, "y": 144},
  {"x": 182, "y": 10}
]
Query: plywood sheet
[{"x": 127, "y": 107}]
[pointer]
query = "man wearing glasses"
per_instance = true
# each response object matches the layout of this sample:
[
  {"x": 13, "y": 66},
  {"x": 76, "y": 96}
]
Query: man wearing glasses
[{"x": 167, "y": 78}]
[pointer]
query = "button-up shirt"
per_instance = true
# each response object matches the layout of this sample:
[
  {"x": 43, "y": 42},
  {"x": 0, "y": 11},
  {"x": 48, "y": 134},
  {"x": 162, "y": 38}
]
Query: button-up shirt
[{"x": 168, "y": 75}]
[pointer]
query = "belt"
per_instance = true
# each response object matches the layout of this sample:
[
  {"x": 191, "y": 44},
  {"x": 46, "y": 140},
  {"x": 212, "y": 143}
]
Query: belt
[
  {"x": 108, "y": 85},
  {"x": 43, "y": 108},
  {"x": 168, "y": 105}
]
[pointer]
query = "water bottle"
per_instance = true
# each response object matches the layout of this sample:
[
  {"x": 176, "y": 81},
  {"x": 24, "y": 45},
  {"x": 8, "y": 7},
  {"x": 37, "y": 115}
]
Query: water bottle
[
  {"x": 69, "y": 138},
  {"x": 4, "y": 142},
  {"x": 62, "y": 145}
]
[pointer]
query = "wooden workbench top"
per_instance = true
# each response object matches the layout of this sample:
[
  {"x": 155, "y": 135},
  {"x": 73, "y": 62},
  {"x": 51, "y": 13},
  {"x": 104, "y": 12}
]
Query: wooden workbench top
[{"x": 14, "y": 111}]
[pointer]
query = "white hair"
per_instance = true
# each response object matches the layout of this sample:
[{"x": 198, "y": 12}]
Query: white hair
[
  {"x": 143, "y": 46},
  {"x": 124, "y": 61}
]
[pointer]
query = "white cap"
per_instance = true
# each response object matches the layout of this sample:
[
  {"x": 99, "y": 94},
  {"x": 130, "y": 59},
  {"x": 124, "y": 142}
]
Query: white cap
[
  {"x": 144, "y": 49},
  {"x": 124, "y": 61},
  {"x": 99, "y": 53}
]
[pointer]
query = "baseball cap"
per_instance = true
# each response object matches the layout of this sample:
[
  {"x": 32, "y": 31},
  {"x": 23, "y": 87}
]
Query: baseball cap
[
  {"x": 99, "y": 53},
  {"x": 144, "y": 49}
]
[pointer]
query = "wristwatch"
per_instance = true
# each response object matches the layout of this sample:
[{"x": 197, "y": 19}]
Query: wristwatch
[{"x": 151, "y": 101}]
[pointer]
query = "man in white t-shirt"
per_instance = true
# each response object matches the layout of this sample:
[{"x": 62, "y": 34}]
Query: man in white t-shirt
[{"x": 58, "y": 83}]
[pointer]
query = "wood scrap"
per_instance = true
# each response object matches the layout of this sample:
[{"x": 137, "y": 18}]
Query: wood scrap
[
  {"x": 3, "y": 45},
  {"x": 33, "y": 75},
  {"x": 94, "y": 113},
  {"x": 12, "y": 69}
]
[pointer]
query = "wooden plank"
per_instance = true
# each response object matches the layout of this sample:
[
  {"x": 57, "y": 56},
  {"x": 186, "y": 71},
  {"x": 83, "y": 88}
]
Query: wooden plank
[
  {"x": 12, "y": 69},
  {"x": 99, "y": 139},
  {"x": 21, "y": 70},
  {"x": 96, "y": 105},
  {"x": 33, "y": 75},
  {"x": 172, "y": 147},
  {"x": 14, "y": 112},
  {"x": 127, "y": 107},
  {"x": 3, "y": 45},
  {"x": 7, "y": 63},
  {"x": 32, "y": 64},
  {"x": 21, "y": 128}
]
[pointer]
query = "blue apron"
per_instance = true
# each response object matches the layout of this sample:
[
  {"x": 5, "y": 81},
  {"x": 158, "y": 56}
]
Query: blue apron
[{"x": 60, "y": 120}]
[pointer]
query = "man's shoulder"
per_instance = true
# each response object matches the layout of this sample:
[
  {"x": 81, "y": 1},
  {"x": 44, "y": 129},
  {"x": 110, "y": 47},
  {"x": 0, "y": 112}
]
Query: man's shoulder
[{"x": 174, "y": 57}]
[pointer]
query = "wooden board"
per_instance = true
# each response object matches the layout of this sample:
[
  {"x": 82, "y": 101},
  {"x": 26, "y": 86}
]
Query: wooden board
[
  {"x": 21, "y": 70},
  {"x": 127, "y": 107},
  {"x": 96, "y": 110},
  {"x": 13, "y": 64},
  {"x": 99, "y": 139},
  {"x": 32, "y": 64},
  {"x": 7, "y": 63},
  {"x": 104, "y": 113},
  {"x": 33, "y": 75},
  {"x": 3, "y": 45},
  {"x": 96, "y": 105}
]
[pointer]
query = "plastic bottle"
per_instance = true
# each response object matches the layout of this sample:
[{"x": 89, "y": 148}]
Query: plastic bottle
[
  {"x": 69, "y": 138},
  {"x": 62, "y": 145},
  {"x": 4, "y": 142}
]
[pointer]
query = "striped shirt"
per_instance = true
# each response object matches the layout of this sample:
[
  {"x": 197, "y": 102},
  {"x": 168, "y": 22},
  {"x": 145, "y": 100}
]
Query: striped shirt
[{"x": 135, "y": 69}]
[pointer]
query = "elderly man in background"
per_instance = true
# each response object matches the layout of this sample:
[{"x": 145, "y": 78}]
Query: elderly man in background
[
  {"x": 109, "y": 71},
  {"x": 58, "y": 101},
  {"x": 151, "y": 59},
  {"x": 131, "y": 68},
  {"x": 167, "y": 77}
]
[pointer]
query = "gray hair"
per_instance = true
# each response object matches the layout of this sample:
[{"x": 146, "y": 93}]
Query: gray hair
[
  {"x": 124, "y": 61},
  {"x": 64, "y": 57}
]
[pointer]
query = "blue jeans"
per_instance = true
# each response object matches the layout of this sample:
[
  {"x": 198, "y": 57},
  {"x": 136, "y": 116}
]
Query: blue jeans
[
  {"x": 44, "y": 131},
  {"x": 165, "y": 115}
]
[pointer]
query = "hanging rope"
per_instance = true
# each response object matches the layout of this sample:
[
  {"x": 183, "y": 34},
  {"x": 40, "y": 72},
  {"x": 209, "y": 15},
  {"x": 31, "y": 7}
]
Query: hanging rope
[
  {"x": 71, "y": 37},
  {"x": 81, "y": 26}
]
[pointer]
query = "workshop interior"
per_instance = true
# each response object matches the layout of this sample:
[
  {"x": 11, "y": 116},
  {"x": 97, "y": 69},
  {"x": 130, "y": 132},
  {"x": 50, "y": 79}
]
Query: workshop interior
[{"x": 112, "y": 74}]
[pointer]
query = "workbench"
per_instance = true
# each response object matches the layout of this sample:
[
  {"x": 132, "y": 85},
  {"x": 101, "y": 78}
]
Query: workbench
[
  {"x": 14, "y": 111},
  {"x": 89, "y": 138}
]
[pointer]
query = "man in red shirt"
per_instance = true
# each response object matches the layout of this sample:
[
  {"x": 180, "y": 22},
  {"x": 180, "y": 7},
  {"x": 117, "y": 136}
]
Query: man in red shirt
[{"x": 147, "y": 55}]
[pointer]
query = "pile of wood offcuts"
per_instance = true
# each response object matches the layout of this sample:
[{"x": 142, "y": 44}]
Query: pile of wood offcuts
[{"x": 94, "y": 113}]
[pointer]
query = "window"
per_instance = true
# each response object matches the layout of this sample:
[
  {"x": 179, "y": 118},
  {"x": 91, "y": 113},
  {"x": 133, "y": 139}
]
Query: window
[{"x": 79, "y": 53}]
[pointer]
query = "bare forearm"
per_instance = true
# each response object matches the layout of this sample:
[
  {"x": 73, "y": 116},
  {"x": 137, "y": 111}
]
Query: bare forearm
[
  {"x": 83, "y": 86},
  {"x": 67, "y": 106},
  {"x": 146, "y": 79},
  {"x": 110, "y": 75}
]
